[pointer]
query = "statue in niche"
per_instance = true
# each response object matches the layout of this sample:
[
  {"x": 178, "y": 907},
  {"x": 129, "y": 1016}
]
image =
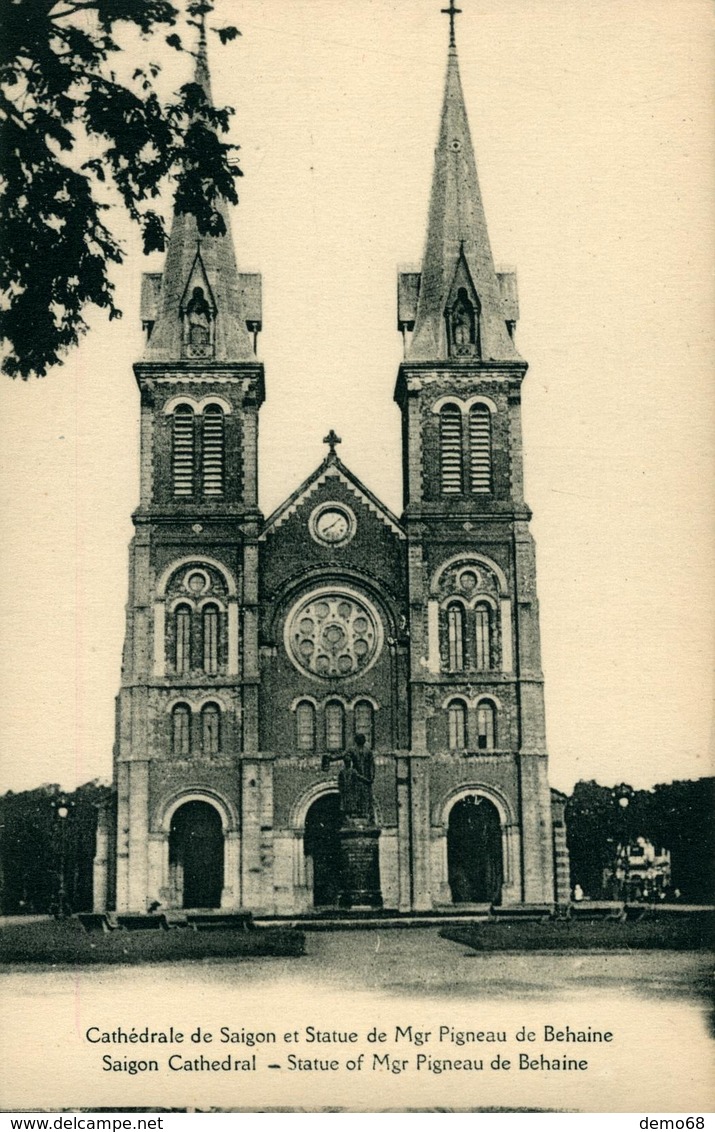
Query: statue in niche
[
  {"x": 198, "y": 318},
  {"x": 462, "y": 324}
]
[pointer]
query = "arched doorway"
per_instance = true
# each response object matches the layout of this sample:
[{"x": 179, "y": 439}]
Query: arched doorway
[
  {"x": 322, "y": 849},
  {"x": 474, "y": 852},
  {"x": 196, "y": 856}
]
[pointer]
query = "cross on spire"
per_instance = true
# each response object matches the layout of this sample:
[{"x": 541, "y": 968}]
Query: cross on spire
[
  {"x": 332, "y": 439},
  {"x": 452, "y": 11}
]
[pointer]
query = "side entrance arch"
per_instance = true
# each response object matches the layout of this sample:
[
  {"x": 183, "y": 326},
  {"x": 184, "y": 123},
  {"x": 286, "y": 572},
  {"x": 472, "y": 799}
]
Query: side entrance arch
[
  {"x": 196, "y": 856},
  {"x": 321, "y": 844},
  {"x": 475, "y": 866}
]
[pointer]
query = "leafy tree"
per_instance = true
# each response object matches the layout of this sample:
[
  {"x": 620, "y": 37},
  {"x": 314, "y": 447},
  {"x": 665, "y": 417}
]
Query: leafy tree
[
  {"x": 34, "y": 840},
  {"x": 592, "y": 833},
  {"x": 681, "y": 819},
  {"x": 676, "y": 816},
  {"x": 74, "y": 136}
]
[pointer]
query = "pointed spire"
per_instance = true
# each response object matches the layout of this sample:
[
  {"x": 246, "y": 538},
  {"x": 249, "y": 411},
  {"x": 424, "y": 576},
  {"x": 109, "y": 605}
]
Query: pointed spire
[
  {"x": 457, "y": 252},
  {"x": 203, "y": 269}
]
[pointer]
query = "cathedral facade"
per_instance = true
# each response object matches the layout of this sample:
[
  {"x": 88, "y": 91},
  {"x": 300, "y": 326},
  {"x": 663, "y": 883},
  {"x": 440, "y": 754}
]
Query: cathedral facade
[{"x": 257, "y": 648}]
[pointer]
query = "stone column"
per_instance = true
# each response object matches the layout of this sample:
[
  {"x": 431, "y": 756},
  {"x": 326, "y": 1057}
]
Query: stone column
[
  {"x": 231, "y": 891},
  {"x": 537, "y": 844},
  {"x": 138, "y": 836},
  {"x": 257, "y": 833},
  {"x": 420, "y": 821},
  {"x": 100, "y": 872}
]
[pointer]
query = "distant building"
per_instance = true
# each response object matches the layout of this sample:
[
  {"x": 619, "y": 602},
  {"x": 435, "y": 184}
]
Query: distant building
[
  {"x": 641, "y": 872},
  {"x": 255, "y": 646}
]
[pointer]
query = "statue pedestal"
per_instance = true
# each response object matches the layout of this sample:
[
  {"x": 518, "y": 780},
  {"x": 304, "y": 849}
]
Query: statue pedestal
[{"x": 360, "y": 867}]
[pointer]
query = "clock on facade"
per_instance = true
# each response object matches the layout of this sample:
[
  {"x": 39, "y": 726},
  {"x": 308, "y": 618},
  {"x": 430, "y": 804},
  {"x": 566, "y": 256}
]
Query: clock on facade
[{"x": 332, "y": 524}]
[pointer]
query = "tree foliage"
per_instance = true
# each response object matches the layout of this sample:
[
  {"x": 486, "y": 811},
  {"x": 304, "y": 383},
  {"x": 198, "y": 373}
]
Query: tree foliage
[
  {"x": 34, "y": 840},
  {"x": 74, "y": 137},
  {"x": 676, "y": 816}
]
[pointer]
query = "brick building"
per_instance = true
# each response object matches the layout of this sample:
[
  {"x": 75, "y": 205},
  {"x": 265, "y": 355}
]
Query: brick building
[{"x": 255, "y": 646}]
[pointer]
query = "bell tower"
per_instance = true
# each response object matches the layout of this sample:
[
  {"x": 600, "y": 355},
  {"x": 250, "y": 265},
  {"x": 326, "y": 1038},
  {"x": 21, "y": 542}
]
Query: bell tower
[
  {"x": 187, "y": 708},
  {"x": 476, "y": 686}
]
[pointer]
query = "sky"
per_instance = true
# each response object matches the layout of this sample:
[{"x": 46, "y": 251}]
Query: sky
[{"x": 593, "y": 131}]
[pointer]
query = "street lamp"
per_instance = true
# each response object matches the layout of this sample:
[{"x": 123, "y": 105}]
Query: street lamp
[
  {"x": 624, "y": 794},
  {"x": 62, "y": 812}
]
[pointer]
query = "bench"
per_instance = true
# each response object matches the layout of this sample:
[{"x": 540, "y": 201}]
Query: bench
[
  {"x": 604, "y": 910},
  {"x": 632, "y": 913},
  {"x": 93, "y": 922},
  {"x": 229, "y": 921},
  {"x": 142, "y": 923},
  {"x": 534, "y": 913}
]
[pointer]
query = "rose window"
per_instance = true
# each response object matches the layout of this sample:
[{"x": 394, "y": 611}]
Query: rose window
[{"x": 333, "y": 634}]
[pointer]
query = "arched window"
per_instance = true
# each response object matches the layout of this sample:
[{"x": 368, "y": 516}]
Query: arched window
[
  {"x": 183, "y": 450},
  {"x": 455, "y": 636},
  {"x": 305, "y": 726},
  {"x": 450, "y": 446},
  {"x": 334, "y": 726},
  {"x": 181, "y": 731},
  {"x": 210, "y": 729},
  {"x": 213, "y": 454},
  {"x": 480, "y": 446},
  {"x": 483, "y": 637},
  {"x": 210, "y": 625},
  {"x": 364, "y": 719},
  {"x": 486, "y": 726},
  {"x": 182, "y": 643},
  {"x": 457, "y": 715}
]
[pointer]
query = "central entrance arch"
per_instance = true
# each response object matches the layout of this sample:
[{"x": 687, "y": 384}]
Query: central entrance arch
[
  {"x": 475, "y": 867},
  {"x": 196, "y": 853},
  {"x": 322, "y": 849}
]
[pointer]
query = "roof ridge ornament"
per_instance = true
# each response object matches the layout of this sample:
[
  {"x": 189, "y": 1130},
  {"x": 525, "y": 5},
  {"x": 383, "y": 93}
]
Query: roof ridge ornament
[
  {"x": 332, "y": 439},
  {"x": 452, "y": 12}
]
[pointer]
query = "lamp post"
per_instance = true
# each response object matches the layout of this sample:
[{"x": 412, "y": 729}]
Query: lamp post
[
  {"x": 62, "y": 812},
  {"x": 624, "y": 794}
]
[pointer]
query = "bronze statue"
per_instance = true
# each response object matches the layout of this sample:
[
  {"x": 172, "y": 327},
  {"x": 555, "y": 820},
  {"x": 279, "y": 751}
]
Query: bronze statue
[{"x": 355, "y": 780}]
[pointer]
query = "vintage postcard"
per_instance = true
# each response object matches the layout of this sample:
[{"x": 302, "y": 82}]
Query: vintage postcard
[{"x": 381, "y": 518}]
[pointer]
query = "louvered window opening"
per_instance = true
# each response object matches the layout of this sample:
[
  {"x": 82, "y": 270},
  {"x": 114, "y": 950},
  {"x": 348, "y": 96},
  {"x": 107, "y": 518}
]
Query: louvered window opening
[
  {"x": 213, "y": 445},
  {"x": 210, "y": 729},
  {"x": 305, "y": 726},
  {"x": 180, "y": 730},
  {"x": 210, "y": 634},
  {"x": 183, "y": 453},
  {"x": 455, "y": 637},
  {"x": 486, "y": 729},
  {"x": 450, "y": 423},
  {"x": 364, "y": 721},
  {"x": 480, "y": 445},
  {"x": 182, "y": 628},
  {"x": 457, "y": 716},
  {"x": 483, "y": 649},
  {"x": 334, "y": 727}
]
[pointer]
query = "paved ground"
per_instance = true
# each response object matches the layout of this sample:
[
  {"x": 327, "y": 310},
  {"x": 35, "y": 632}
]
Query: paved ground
[
  {"x": 652, "y": 1000},
  {"x": 418, "y": 962}
]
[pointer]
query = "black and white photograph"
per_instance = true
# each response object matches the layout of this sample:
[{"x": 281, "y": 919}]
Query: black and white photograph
[{"x": 357, "y": 545}]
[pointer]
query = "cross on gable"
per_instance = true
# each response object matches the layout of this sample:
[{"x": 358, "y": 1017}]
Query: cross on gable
[
  {"x": 452, "y": 11},
  {"x": 332, "y": 439}
]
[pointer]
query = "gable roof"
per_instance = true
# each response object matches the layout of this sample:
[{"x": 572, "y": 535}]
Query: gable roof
[{"x": 331, "y": 468}]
